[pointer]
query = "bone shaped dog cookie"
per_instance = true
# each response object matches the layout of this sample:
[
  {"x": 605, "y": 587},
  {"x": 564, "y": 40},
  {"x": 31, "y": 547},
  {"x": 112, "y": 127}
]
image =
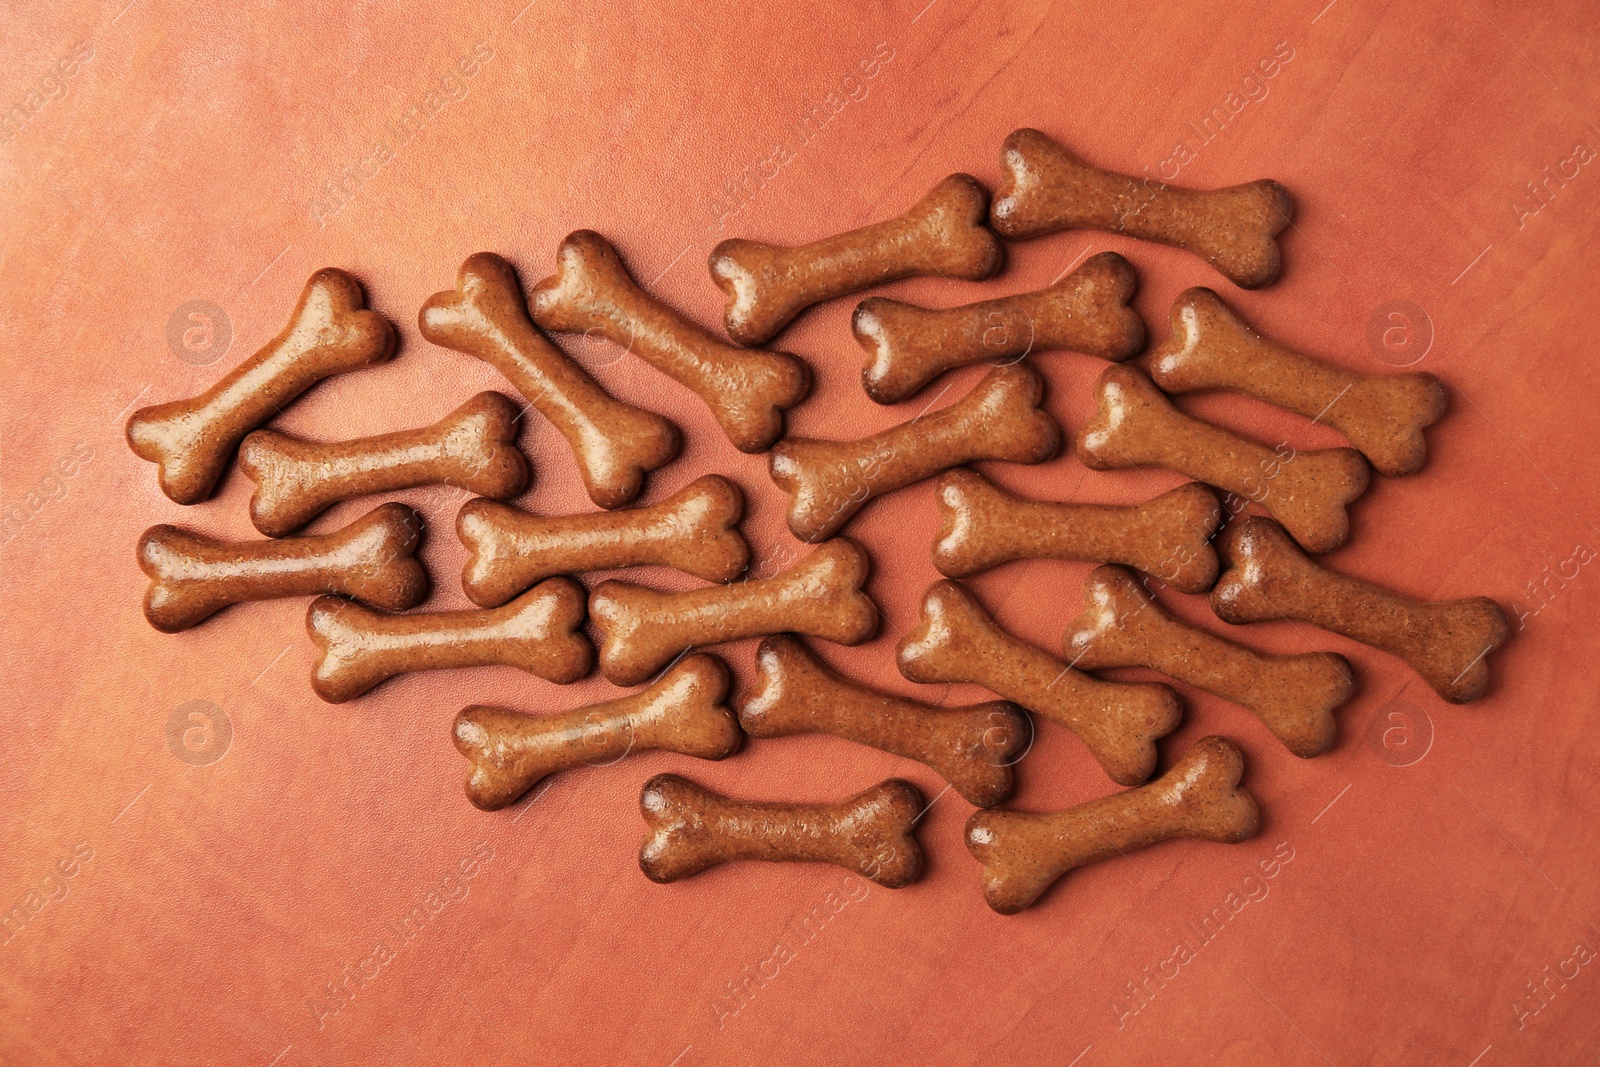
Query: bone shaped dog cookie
[
  {"x": 192, "y": 440},
  {"x": 682, "y": 712},
  {"x": 1047, "y": 188},
  {"x": 1295, "y": 696},
  {"x": 474, "y": 447},
  {"x": 942, "y": 235},
  {"x": 1087, "y": 311},
  {"x": 972, "y": 748},
  {"x": 1383, "y": 416},
  {"x": 642, "y": 628},
  {"x": 1306, "y": 491},
  {"x": 1168, "y": 537},
  {"x": 747, "y": 390},
  {"x": 485, "y": 316},
  {"x": 1023, "y": 853},
  {"x": 829, "y": 481},
  {"x": 956, "y": 641},
  {"x": 691, "y": 828},
  {"x": 537, "y": 632},
  {"x": 1447, "y": 642},
  {"x": 694, "y": 530},
  {"x": 193, "y": 577}
]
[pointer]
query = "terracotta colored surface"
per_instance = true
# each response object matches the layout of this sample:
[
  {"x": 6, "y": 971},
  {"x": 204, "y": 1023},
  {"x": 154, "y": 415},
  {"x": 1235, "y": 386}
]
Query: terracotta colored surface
[{"x": 217, "y": 912}]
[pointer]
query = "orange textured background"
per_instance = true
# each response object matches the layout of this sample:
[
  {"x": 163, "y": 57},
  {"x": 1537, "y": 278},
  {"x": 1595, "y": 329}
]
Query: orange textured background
[{"x": 211, "y": 904}]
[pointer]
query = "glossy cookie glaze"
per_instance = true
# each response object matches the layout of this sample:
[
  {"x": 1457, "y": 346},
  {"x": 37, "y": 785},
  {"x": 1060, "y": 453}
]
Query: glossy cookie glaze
[
  {"x": 485, "y": 316},
  {"x": 820, "y": 596},
  {"x": 955, "y": 640},
  {"x": 1308, "y": 491},
  {"x": 746, "y": 389},
  {"x": 942, "y": 235},
  {"x": 1447, "y": 642},
  {"x": 329, "y": 332},
  {"x": 1383, "y": 416},
  {"x": 1087, "y": 311},
  {"x": 694, "y": 530},
  {"x": 1047, "y": 188},
  {"x": 538, "y": 632},
  {"x": 829, "y": 481},
  {"x": 691, "y": 828},
  {"x": 1294, "y": 696},
  {"x": 1023, "y": 853},
  {"x": 682, "y": 711},
  {"x": 473, "y": 447},
  {"x": 973, "y": 748},
  {"x": 192, "y": 576},
  {"x": 1167, "y": 537}
]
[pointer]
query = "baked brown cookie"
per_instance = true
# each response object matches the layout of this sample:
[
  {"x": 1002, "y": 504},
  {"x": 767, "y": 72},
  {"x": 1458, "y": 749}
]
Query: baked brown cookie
[
  {"x": 955, "y": 640},
  {"x": 193, "y": 576},
  {"x": 485, "y": 316},
  {"x": 642, "y": 629},
  {"x": 1023, "y": 853},
  {"x": 1383, "y": 416},
  {"x": 1047, "y": 188},
  {"x": 691, "y": 828},
  {"x": 1294, "y": 696},
  {"x": 829, "y": 481},
  {"x": 538, "y": 632},
  {"x": 1087, "y": 311},
  {"x": 1167, "y": 537},
  {"x": 473, "y": 447},
  {"x": 1446, "y": 641},
  {"x": 695, "y": 530},
  {"x": 942, "y": 235},
  {"x": 746, "y": 389},
  {"x": 329, "y": 332},
  {"x": 682, "y": 711},
  {"x": 973, "y": 748},
  {"x": 1308, "y": 491}
]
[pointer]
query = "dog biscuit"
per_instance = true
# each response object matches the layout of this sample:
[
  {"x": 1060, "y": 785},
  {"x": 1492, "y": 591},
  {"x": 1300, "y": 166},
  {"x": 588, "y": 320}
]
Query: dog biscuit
[
  {"x": 683, "y": 712},
  {"x": 955, "y": 640},
  {"x": 1023, "y": 853},
  {"x": 942, "y": 235},
  {"x": 329, "y": 332},
  {"x": 972, "y": 748},
  {"x": 694, "y": 530},
  {"x": 1136, "y": 425},
  {"x": 1167, "y": 537},
  {"x": 192, "y": 576},
  {"x": 485, "y": 316},
  {"x": 829, "y": 481},
  {"x": 1087, "y": 311},
  {"x": 1383, "y": 416},
  {"x": 538, "y": 632},
  {"x": 473, "y": 447},
  {"x": 1047, "y": 188},
  {"x": 747, "y": 390},
  {"x": 643, "y": 628},
  {"x": 1294, "y": 696},
  {"x": 1447, "y": 642},
  {"x": 691, "y": 828}
]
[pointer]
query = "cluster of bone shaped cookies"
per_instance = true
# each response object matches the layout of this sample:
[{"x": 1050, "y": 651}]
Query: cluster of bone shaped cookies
[{"x": 531, "y": 611}]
